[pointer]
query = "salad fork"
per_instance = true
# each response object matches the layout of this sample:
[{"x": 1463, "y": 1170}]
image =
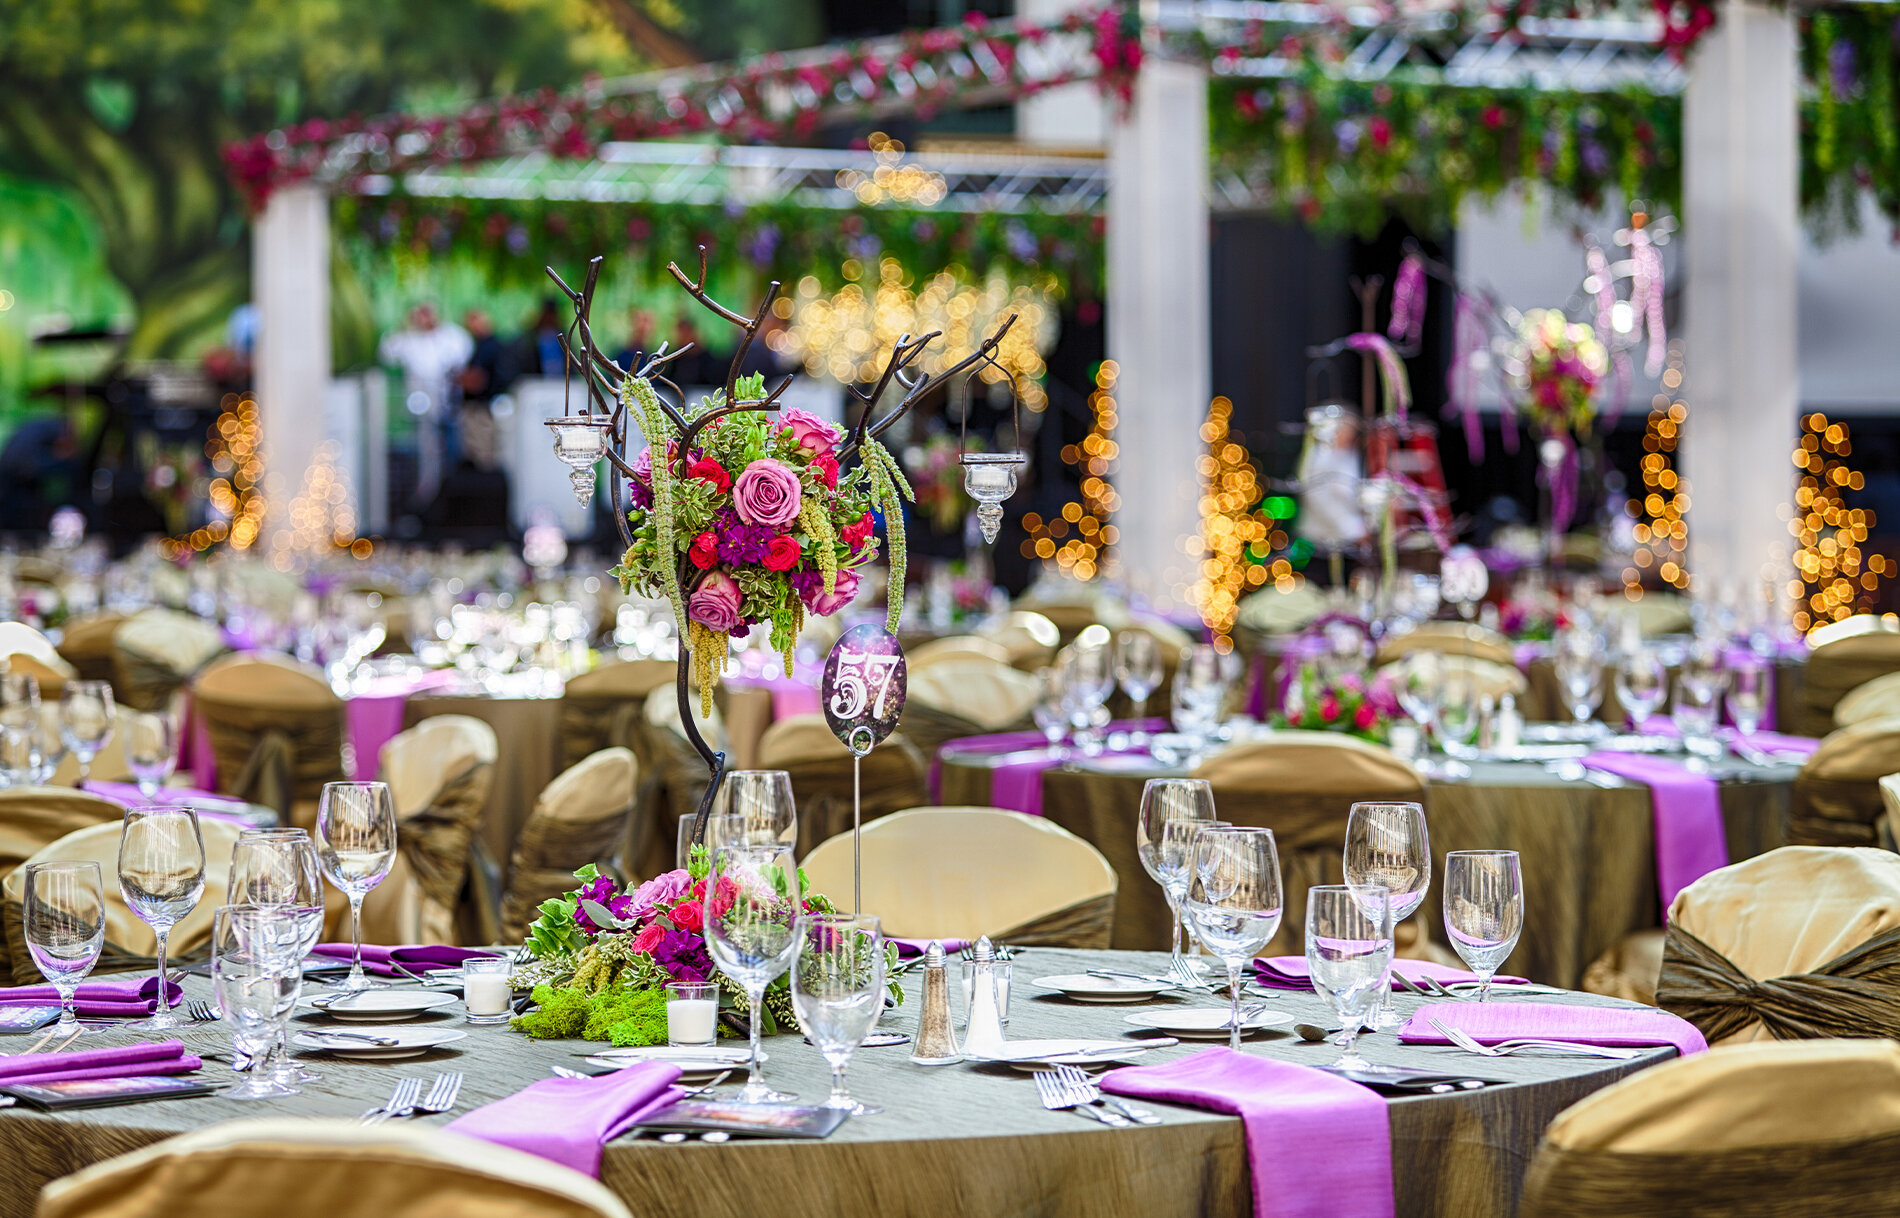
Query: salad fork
[
  {"x": 401, "y": 1100},
  {"x": 1075, "y": 1080},
  {"x": 1505, "y": 1048}
]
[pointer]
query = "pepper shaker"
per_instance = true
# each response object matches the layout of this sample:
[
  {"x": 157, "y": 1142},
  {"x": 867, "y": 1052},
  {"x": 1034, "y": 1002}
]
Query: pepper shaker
[{"x": 936, "y": 1043}]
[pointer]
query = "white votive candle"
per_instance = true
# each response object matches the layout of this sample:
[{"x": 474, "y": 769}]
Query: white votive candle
[
  {"x": 692, "y": 1013},
  {"x": 486, "y": 994}
]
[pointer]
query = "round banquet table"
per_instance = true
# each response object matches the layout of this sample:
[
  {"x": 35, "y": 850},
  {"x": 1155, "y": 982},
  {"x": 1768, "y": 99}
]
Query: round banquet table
[
  {"x": 953, "y": 1140},
  {"x": 529, "y": 731},
  {"x": 1587, "y": 845}
]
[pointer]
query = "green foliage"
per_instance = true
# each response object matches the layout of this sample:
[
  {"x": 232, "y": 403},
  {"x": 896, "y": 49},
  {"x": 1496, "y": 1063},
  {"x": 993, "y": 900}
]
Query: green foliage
[{"x": 617, "y": 1014}]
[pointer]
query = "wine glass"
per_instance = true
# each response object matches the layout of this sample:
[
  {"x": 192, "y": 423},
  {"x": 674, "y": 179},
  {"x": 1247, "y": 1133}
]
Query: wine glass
[
  {"x": 1642, "y": 686},
  {"x": 1166, "y": 852},
  {"x": 838, "y": 992},
  {"x": 1421, "y": 689},
  {"x": 1697, "y": 705},
  {"x": 52, "y": 741},
  {"x": 278, "y": 868},
  {"x": 1458, "y": 715},
  {"x": 356, "y": 845},
  {"x": 1233, "y": 900},
  {"x": 1579, "y": 665},
  {"x": 19, "y": 754},
  {"x": 1484, "y": 909},
  {"x": 1200, "y": 687},
  {"x": 1747, "y": 693},
  {"x": 19, "y": 698},
  {"x": 162, "y": 876},
  {"x": 1138, "y": 668},
  {"x": 1349, "y": 955},
  {"x": 1388, "y": 848},
  {"x": 1088, "y": 677},
  {"x": 64, "y": 911},
  {"x": 754, "y": 936},
  {"x": 151, "y": 748},
  {"x": 86, "y": 712},
  {"x": 1051, "y": 712},
  {"x": 257, "y": 974},
  {"x": 763, "y": 799}
]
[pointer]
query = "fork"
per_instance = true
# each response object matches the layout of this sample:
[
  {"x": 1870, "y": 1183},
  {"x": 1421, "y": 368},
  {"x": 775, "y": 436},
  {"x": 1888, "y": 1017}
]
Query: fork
[
  {"x": 201, "y": 1011},
  {"x": 1074, "y": 1079},
  {"x": 1505, "y": 1048},
  {"x": 401, "y": 1100},
  {"x": 441, "y": 1095},
  {"x": 1185, "y": 978},
  {"x": 1056, "y": 1097}
]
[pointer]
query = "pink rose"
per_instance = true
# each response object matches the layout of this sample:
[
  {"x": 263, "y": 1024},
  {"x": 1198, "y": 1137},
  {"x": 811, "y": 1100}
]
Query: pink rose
[
  {"x": 1329, "y": 708},
  {"x": 666, "y": 887},
  {"x": 766, "y": 493},
  {"x": 715, "y": 603},
  {"x": 687, "y": 915},
  {"x": 648, "y": 939},
  {"x": 824, "y": 603},
  {"x": 1365, "y": 717},
  {"x": 813, "y": 434}
]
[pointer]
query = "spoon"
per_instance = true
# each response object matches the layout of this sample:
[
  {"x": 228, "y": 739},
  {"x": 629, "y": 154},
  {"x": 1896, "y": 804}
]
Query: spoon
[{"x": 1312, "y": 1033}]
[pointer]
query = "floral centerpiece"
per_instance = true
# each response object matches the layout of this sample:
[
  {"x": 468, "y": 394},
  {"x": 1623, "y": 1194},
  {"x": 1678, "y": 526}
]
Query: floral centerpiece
[
  {"x": 1349, "y": 704},
  {"x": 937, "y": 476},
  {"x": 1558, "y": 366},
  {"x": 602, "y": 955},
  {"x": 1529, "y": 620}
]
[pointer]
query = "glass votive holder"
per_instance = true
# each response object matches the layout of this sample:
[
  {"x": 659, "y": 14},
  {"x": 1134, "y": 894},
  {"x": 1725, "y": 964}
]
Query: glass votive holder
[
  {"x": 486, "y": 994},
  {"x": 692, "y": 1014}
]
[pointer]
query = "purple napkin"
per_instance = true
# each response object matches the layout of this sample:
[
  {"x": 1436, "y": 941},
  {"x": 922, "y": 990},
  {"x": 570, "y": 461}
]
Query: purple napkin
[
  {"x": 1016, "y": 784},
  {"x": 375, "y": 715},
  {"x": 1291, "y": 973},
  {"x": 1318, "y": 1146},
  {"x": 417, "y": 958},
  {"x": 1778, "y": 744},
  {"x": 125, "y": 999},
  {"x": 568, "y": 1120},
  {"x": 910, "y": 949},
  {"x": 1490, "y": 1022},
  {"x": 162, "y": 1057},
  {"x": 1687, "y": 809}
]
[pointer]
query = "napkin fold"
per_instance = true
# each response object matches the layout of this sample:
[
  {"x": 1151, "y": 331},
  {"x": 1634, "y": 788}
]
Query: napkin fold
[
  {"x": 415, "y": 957},
  {"x": 568, "y": 1120},
  {"x": 129, "y": 1061},
  {"x": 1292, "y": 973},
  {"x": 1687, "y": 810},
  {"x": 910, "y": 949},
  {"x": 124, "y": 999},
  {"x": 1490, "y": 1022},
  {"x": 1318, "y": 1146}
]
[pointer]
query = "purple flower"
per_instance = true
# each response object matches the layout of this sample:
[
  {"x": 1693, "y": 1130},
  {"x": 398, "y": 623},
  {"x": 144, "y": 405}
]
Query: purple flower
[
  {"x": 683, "y": 955},
  {"x": 745, "y": 543},
  {"x": 601, "y": 891}
]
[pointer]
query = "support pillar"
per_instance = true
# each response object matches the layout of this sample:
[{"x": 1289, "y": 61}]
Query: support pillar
[{"x": 290, "y": 283}]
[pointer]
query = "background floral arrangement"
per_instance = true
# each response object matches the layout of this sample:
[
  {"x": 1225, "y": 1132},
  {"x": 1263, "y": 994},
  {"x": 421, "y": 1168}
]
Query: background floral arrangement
[
  {"x": 1557, "y": 366},
  {"x": 1349, "y": 704},
  {"x": 938, "y": 479}
]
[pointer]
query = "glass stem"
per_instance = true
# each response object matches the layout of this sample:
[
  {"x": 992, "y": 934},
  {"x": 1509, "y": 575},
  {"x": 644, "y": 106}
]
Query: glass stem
[
  {"x": 356, "y": 978},
  {"x": 1174, "y": 946},
  {"x": 68, "y": 1018},
  {"x": 164, "y": 934},
  {"x": 840, "y": 1094},
  {"x": 1484, "y": 986},
  {"x": 755, "y": 1071},
  {"x": 1233, "y": 1020}
]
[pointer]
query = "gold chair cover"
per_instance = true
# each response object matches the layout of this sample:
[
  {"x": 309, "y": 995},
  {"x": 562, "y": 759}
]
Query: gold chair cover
[
  {"x": 276, "y": 732},
  {"x": 156, "y": 652},
  {"x": 892, "y": 777},
  {"x": 32, "y": 818},
  {"x": 579, "y": 819},
  {"x": 24, "y": 649},
  {"x": 1836, "y": 797},
  {"x": 86, "y": 644},
  {"x": 439, "y": 773},
  {"x": 1801, "y": 942},
  {"x": 966, "y": 698},
  {"x": 1453, "y": 639},
  {"x": 955, "y": 647},
  {"x": 601, "y": 709},
  {"x": 1890, "y": 823},
  {"x": 292, "y": 1167},
  {"x": 1029, "y": 639},
  {"x": 1662, "y": 613},
  {"x": 1748, "y": 1131},
  {"x": 1843, "y": 657},
  {"x": 1875, "y": 699},
  {"x": 958, "y": 873}
]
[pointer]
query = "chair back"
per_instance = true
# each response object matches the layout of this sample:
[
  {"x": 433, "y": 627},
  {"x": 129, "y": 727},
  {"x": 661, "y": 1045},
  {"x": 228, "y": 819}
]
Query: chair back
[
  {"x": 1842, "y": 657},
  {"x": 86, "y": 644},
  {"x": 1662, "y": 613},
  {"x": 1451, "y": 639},
  {"x": 1835, "y": 800},
  {"x": 1485, "y": 677},
  {"x": 439, "y": 774},
  {"x": 295, "y": 1167},
  {"x": 891, "y": 777},
  {"x": 32, "y": 818},
  {"x": 276, "y": 730},
  {"x": 1890, "y": 823},
  {"x": 1029, "y": 639},
  {"x": 24, "y": 649},
  {"x": 1875, "y": 699},
  {"x": 1799, "y": 943},
  {"x": 155, "y": 652},
  {"x": 957, "y": 873},
  {"x": 673, "y": 778},
  {"x": 966, "y": 698},
  {"x": 601, "y": 709},
  {"x": 955, "y": 647},
  {"x": 579, "y": 819},
  {"x": 1273, "y": 612},
  {"x": 1768, "y": 1129}
]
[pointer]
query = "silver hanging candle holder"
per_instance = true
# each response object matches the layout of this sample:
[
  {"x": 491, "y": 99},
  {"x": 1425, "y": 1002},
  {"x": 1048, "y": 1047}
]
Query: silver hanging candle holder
[{"x": 990, "y": 478}]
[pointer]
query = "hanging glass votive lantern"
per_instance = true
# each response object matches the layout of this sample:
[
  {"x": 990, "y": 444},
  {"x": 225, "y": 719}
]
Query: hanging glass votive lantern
[
  {"x": 580, "y": 440},
  {"x": 990, "y": 478}
]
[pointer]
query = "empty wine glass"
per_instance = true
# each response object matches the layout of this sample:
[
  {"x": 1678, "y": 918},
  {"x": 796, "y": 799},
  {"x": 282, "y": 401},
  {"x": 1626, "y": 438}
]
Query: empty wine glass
[
  {"x": 86, "y": 712},
  {"x": 1051, "y": 714},
  {"x": 19, "y": 754},
  {"x": 257, "y": 974},
  {"x": 1200, "y": 689},
  {"x": 52, "y": 742},
  {"x": 64, "y": 911},
  {"x": 1388, "y": 848},
  {"x": 754, "y": 936},
  {"x": 838, "y": 992},
  {"x": 1421, "y": 689},
  {"x": 162, "y": 876},
  {"x": 1088, "y": 678},
  {"x": 1697, "y": 706},
  {"x": 19, "y": 698},
  {"x": 356, "y": 845},
  {"x": 1233, "y": 901},
  {"x": 1748, "y": 681},
  {"x": 1579, "y": 665},
  {"x": 1642, "y": 686},
  {"x": 1171, "y": 810},
  {"x": 1349, "y": 956},
  {"x": 1138, "y": 668},
  {"x": 278, "y": 868},
  {"x": 151, "y": 748},
  {"x": 763, "y": 799},
  {"x": 1484, "y": 910}
]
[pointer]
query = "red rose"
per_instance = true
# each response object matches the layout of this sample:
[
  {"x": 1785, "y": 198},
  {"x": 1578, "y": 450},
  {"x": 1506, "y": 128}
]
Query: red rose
[
  {"x": 708, "y": 470},
  {"x": 704, "y": 552},
  {"x": 687, "y": 915},
  {"x": 782, "y": 554},
  {"x": 649, "y": 938},
  {"x": 856, "y": 534},
  {"x": 1329, "y": 709},
  {"x": 1381, "y": 130},
  {"x": 827, "y": 469},
  {"x": 1365, "y": 717}
]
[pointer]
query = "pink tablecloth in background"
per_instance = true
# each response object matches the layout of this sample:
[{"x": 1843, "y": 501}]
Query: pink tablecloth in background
[{"x": 373, "y": 716}]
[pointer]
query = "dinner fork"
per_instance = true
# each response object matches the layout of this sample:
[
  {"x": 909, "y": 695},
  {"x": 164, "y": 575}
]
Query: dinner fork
[
  {"x": 1077, "y": 1081},
  {"x": 201, "y": 1011},
  {"x": 441, "y": 1095},
  {"x": 1055, "y": 1098},
  {"x": 401, "y": 1100},
  {"x": 1505, "y": 1048}
]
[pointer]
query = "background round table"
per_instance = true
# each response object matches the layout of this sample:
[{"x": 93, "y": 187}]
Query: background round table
[{"x": 953, "y": 1140}]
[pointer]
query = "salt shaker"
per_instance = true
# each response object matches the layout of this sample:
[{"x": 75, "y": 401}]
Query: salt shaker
[
  {"x": 1510, "y": 725},
  {"x": 936, "y": 1043},
  {"x": 983, "y": 1035}
]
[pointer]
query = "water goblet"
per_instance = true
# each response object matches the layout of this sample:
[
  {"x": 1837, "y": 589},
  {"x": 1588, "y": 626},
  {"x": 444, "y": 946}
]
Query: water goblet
[
  {"x": 256, "y": 971},
  {"x": 1088, "y": 677},
  {"x": 1349, "y": 956},
  {"x": 1421, "y": 690},
  {"x": 753, "y": 939},
  {"x": 763, "y": 800},
  {"x": 1642, "y": 686},
  {"x": 356, "y": 846},
  {"x": 151, "y": 748},
  {"x": 162, "y": 877},
  {"x": 1579, "y": 665},
  {"x": 1747, "y": 699},
  {"x": 63, "y": 908},
  {"x": 86, "y": 712},
  {"x": 1171, "y": 810},
  {"x": 19, "y": 754},
  {"x": 1388, "y": 849},
  {"x": 838, "y": 992},
  {"x": 1138, "y": 668},
  {"x": 1233, "y": 901},
  {"x": 1484, "y": 910},
  {"x": 52, "y": 742},
  {"x": 277, "y": 868},
  {"x": 1050, "y": 713}
]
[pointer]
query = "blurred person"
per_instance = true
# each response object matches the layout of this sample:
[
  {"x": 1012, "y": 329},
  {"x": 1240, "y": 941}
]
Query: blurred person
[
  {"x": 539, "y": 352},
  {"x": 430, "y": 353},
  {"x": 698, "y": 367},
  {"x": 491, "y": 366},
  {"x": 639, "y": 338}
]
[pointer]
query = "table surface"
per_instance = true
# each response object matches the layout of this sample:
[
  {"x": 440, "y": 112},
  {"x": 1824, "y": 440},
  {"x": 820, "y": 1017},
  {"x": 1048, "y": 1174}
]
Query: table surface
[{"x": 940, "y": 1124}]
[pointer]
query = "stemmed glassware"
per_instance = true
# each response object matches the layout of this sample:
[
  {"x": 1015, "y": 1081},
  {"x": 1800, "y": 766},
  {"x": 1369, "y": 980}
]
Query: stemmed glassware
[
  {"x": 1349, "y": 955},
  {"x": 162, "y": 877},
  {"x": 1699, "y": 685},
  {"x": 86, "y": 712},
  {"x": 257, "y": 972},
  {"x": 763, "y": 800},
  {"x": 838, "y": 992},
  {"x": 52, "y": 741},
  {"x": 356, "y": 845},
  {"x": 1200, "y": 687},
  {"x": 1484, "y": 910},
  {"x": 1642, "y": 686},
  {"x": 1233, "y": 901},
  {"x": 754, "y": 938},
  {"x": 1388, "y": 850},
  {"x": 151, "y": 748},
  {"x": 1088, "y": 678},
  {"x": 1138, "y": 668},
  {"x": 19, "y": 753},
  {"x": 19, "y": 699},
  {"x": 277, "y": 868},
  {"x": 64, "y": 911},
  {"x": 1579, "y": 665},
  {"x": 1421, "y": 690},
  {"x": 1051, "y": 712},
  {"x": 1748, "y": 681},
  {"x": 1172, "y": 811}
]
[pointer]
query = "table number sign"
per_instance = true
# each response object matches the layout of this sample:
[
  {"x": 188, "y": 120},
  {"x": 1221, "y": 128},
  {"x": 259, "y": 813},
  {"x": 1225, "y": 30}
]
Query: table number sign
[{"x": 863, "y": 692}]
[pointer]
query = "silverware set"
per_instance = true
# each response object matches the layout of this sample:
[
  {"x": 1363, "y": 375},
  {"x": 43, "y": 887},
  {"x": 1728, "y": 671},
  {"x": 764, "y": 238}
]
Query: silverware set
[
  {"x": 1067, "y": 1087},
  {"x": 1505, "y": 1048},
  {"x": 199, "y": 1011},
  {"x": 407, "y": 1099}
]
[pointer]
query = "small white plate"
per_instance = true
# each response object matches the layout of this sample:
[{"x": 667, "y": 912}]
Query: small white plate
[
  {"x": 1202, "y": 1021},
  {"x": 372, "y": 1005},
  {"x": 411, "y": 1041},
  {"x": 1031, "y": 1054},
  {"x": 694, "y": 1062},
  {"x": 1084, "y": 988}
]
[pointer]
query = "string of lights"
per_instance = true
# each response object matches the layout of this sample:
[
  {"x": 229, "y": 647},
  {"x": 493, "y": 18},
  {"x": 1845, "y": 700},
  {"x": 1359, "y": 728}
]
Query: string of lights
[
  {"x": 1832, "y": 579},
  {"x": 1662, "y": 532},
  {"x": 320, "y": 517},
  {"x": 1083, "y": 555},
  {"x": 236, "y": 495},
  {"x": 1236, "y": 535}
]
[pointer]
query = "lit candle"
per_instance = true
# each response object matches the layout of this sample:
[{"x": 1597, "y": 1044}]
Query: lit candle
[
  {"x": 486, "y": 994},
  {"x": 692, "y": 1013}
]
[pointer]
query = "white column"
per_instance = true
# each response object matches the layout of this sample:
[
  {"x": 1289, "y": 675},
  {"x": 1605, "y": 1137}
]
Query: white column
[
  {"x": 1740, "y": 194},
  {"x": 1068, "y": 118},
  {"x": 1158, "y": 325},
  {"x": 290, "y": 282}
]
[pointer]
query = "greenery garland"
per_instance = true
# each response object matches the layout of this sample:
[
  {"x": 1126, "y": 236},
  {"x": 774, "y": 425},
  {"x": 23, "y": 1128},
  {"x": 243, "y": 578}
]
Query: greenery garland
[{"x": 1850, "y": 113}]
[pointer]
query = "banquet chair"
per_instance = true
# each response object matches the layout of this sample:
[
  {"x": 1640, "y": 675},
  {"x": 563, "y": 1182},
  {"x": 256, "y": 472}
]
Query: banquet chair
[
  {"x": 32, "y": 818},
  {"x": 673, "y": 779},
  {"x": 156, "y": 652},
  {"x": 129, "y": 943},
  {"x": 580, "y": 818},
  {"x": 1835, "y": 799},
  {"x": 892, "y": 776},
  {"x": 1747, "y": 1131},
  {"x": 601, "y": 709},
  {"x": 86, "y": 644},
  {"x": 1842, "y": 657},
  {"x": 1661, "y": 613},
  {"x": 1873, "y": 700},
  {"x": 24, "y": 649},
  {"x": 296, "y": 1167},
  {"x": 1890, "y": 823},
  {"x": 958, "y": 873},
  {"x": 1028, "y": 639},
  {"x": 955, "y": 647},
  {"x": 966, "y": 698},
  {"x": 1486, "y": 677},
  {"x": 1074, "y": 606},
  {"x": 276, "y": 732},
  {"x": 439, "y": 774},
  {"x": 1302, "y": 785},
  {"x": 1799, "y": 943},
  {"x": 1451, "y": 639}
]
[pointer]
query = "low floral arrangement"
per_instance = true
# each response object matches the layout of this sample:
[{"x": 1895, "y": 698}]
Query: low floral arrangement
[
  {"x": 1558, "y": 366},
  {"x": 602, "y": 955},
  {"x": 758, "y": 525},
  {"x": 1530, "y": 621},
  {"x": 1349, "y": 704},
  {"x": 937, "y": 476}
]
